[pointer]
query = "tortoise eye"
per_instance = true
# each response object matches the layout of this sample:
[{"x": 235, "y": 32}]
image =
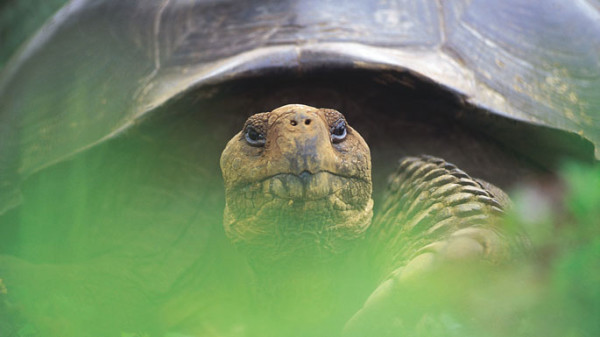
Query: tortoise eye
[
  {"x": 254, "y": 137},
  {"x": 338, "y": 131}
]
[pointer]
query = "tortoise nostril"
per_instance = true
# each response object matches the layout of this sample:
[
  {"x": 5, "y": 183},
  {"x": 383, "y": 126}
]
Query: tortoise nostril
[
  {"x": 293, "y": 122},
  {"x": 307, "y": 121}
]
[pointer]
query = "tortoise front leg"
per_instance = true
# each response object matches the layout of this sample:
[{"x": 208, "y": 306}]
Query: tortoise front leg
[{"x": 434, "y": 215}]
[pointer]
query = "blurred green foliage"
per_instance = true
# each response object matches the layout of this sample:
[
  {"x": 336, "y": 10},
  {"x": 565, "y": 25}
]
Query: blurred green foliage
[
  {"x": 555, "y": 290},
  {"x": 575, "y": 273}
]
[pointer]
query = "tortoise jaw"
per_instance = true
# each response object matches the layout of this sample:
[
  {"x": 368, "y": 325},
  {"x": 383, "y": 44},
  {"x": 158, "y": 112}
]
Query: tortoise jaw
[
  {"x": 278, "y": 229},
  {"x": 322, "y": 191},
  {"x": 298, "y": 215}
]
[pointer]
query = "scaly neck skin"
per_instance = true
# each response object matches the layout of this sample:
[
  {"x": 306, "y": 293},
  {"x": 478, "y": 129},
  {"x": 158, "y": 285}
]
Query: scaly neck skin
[
  {"x": 314, "y": 296},
  {"x": 292, "y": 233},
  {"x": 308, "y": 281}
]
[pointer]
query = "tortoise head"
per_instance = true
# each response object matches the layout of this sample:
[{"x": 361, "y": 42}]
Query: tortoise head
[{"x": 297, "y": 183}]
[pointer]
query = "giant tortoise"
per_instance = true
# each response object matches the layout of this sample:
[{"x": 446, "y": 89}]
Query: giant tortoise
[{"x": 114, "y": 115}]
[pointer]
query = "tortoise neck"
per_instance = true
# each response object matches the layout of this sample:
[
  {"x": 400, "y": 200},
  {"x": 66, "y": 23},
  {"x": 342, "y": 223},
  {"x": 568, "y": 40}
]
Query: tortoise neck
[
  {"x": 312, "y": 294},
  {"x": 284, "y": 238}
]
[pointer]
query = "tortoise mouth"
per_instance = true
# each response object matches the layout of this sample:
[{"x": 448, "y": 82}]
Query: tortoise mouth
[
  {"x": 305, "y": 186},
  {"x": 287, "y": 214}
]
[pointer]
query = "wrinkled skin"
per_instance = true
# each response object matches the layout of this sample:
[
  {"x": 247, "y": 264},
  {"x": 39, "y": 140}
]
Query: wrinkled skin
[{"x": 300, "y": 190}]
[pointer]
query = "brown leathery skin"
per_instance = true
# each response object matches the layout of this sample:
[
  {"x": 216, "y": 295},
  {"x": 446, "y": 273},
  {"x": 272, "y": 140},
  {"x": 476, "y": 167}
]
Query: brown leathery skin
[{"x": 302, "y": 193}]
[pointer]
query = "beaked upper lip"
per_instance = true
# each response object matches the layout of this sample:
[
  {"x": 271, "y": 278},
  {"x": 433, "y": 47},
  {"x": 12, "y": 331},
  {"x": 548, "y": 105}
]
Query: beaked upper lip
[
  {"x": 300, "y": 175},
  {"x": 305, "y": 185}
]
